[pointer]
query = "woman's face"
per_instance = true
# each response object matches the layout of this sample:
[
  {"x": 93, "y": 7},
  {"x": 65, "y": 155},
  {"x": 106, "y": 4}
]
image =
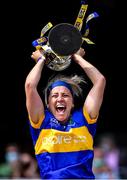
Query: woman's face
[{"x": 60, "y": 103}]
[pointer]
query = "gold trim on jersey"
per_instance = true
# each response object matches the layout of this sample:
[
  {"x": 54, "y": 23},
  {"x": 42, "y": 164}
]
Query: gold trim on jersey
[
  {"x": 37, "y": 125},
  {"x": 88, "y": 118}
]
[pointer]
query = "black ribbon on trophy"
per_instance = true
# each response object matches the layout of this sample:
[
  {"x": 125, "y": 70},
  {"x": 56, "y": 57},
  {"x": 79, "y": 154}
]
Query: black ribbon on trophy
[{"x": 63, "y": 40}]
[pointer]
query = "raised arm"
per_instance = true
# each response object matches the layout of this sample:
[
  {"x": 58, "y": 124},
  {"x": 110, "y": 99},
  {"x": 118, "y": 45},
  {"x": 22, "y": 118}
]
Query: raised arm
[
  {"x": 34, "y": 103},
  {"x": 95, "y": 97}
]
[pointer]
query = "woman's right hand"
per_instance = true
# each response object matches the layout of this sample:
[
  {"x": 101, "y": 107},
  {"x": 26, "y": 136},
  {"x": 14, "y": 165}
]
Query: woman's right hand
[{"x": 37, "y": 54}]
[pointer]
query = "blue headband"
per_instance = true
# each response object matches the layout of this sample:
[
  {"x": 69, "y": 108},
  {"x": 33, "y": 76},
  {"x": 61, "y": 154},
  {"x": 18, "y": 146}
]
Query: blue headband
[{"x": 61, "y": 83}]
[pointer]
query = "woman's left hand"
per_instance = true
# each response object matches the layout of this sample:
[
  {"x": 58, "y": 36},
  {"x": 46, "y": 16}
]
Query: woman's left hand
[{"x": 80, "y": 52}]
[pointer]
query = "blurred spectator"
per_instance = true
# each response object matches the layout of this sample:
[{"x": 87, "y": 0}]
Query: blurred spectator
[
  {"x": 5, "y": 170},
  {"x": 111, "y": 153},
  {"x": 11, "y": 167},
  {"x": 100, "y": 167},
  {"x": 18, "y": 165},
  {"x": 29, "y": 168}
]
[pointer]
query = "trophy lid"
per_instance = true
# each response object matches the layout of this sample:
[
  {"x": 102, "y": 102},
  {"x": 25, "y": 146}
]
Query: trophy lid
[{"x": 65, "y": 39}]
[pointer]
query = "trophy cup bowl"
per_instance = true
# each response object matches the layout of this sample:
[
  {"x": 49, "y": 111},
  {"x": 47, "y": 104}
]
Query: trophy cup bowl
[{"x": 64, "y": 40}]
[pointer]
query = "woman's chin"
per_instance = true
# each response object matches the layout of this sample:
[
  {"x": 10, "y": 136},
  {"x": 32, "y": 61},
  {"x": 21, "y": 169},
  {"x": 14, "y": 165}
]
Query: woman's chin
[{"x": 61, "y": 118}]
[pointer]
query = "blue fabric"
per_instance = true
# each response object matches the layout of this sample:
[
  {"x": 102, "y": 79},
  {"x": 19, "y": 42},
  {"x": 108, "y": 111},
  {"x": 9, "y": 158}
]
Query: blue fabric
[
  {"x": 76, "y": 165},
  {"x": 61, "y": 83}
]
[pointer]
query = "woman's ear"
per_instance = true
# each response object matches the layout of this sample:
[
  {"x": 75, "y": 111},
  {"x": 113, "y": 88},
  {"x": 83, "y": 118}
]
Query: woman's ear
[{"x": 47, "y": 105}]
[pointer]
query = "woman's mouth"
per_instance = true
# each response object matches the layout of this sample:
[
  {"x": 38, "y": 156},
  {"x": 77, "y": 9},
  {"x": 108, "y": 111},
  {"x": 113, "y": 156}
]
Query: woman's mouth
[{"x": 60, "y": 108}]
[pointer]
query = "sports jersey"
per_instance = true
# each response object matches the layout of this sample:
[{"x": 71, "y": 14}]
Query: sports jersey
[{"x": 64, "y": 151}]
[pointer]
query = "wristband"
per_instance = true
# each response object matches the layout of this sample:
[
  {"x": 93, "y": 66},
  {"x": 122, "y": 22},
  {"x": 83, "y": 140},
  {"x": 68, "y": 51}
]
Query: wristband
[{"x": 39, "y": 58}]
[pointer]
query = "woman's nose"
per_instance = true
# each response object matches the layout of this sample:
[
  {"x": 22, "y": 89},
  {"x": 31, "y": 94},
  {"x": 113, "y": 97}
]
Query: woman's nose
[{"x": 60, "y": 98}]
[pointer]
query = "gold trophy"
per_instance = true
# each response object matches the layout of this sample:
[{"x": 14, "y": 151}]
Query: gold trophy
[{"x": 63, "y": 40}]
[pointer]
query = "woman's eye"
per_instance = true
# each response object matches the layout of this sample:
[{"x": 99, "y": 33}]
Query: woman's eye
[
  {"x": 65, "y": 95},
  {"x": 54, "y": 95}
]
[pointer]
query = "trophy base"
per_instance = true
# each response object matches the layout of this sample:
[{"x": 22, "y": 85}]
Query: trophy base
[
  {"x": 54, "y": 62},
  {"x": 58, "y": 64}
]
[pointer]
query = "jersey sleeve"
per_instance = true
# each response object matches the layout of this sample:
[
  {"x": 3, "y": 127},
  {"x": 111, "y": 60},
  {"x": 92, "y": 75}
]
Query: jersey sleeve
[{"x": 88, "y": 118}]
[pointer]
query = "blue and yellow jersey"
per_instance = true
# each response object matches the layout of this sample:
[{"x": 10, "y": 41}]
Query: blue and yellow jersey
[{"x": 64, "y": 151}]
